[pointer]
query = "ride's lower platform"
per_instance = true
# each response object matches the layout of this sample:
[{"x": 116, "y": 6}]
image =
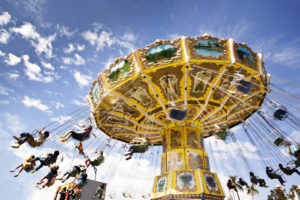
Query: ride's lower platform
[{"x": 187, "y": 184}]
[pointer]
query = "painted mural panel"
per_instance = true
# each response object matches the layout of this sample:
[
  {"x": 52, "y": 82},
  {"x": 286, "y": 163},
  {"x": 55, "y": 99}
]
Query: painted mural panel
[
  {"x": 175, "y": 161},
  {"x": 138, "y": 91},
  {"x": 176, "y": 135},
  {"x": 161, "y": 184},
  {"x": 141, "y": 95},
  {"x": 192, "y": 138},
  {"x": 186, "y": 181},
  {"x": 119, "y": 70},
  {"x": 245, "y": 56},
  {"x": 168, "y": 81},
  {"x": 211, "y": 183},
  {"x": 191, "y": 111},
  {"x": 202, "y": 76},
  {"x": 208, "y": 48},
  {"x": 169, "y": 84},
  {"x": 161, "y": 116},
  {"x": 226, "y": 84},
  {"x": 161, "y": 53},
  {"x": 194, "y": 159},
  {"x": 96, "y": 93}
]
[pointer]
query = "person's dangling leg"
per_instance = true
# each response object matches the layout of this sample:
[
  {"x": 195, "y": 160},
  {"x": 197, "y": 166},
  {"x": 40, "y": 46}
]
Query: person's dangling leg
[
  {"x": 16, "y": 175},
  {"x": 13, "y": 170},
  {"x": 87, "y": 162},
  {"x": 67, "y": 136}
]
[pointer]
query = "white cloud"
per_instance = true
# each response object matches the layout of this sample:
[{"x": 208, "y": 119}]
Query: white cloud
[
  {"x": 64, "y": 31},
  {"x": 13, "y": 76},
  {"x": 80, "y": 47},
  {"x": 48, "y": 65},
  {"x": 2, "y": 53},
  {"x": 99, "y": 40},
  {"x": 61, "y": 119},
  {"x": 33, "y": 71},
  {"x": 43, "y": 45},
  {"x": 59, "y": 105},
  {"x": 14, "y": 123},
  {"x": 5, "y": 18},
  {"x": 79, "y": 103},
  {"x": 36, "y": 103},
  {"x": 77, "y": 60},
  {"x": 129, "y": 37},
  {"x": 4, "y": 36},
  {"x": 12, "y": 59},
  {"x": 5, "y": 102},
  {"x": 3, "y": 90},
  {"x": 81, "y": 79},
  {"x": 69, "y": 49}
]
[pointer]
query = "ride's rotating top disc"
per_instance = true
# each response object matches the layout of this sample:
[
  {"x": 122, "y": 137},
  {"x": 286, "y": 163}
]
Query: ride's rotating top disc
[{"x": 204, "y": 80}]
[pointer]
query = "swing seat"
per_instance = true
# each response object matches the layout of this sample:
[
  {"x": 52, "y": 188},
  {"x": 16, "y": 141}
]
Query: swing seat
[
  {"x": 177, "y": 114},
  {"x": 278, "y": 141},
  {"x": 244, "y": 86},
  {"x": 222, "y": 135},
  {"x": 280, "y": 114},
  {"x": 29, "y": 168},
  {"x": 297, "y": 163}
]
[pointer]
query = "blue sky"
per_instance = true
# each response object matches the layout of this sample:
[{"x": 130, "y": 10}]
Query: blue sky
[{"x": 50, "y": 51}]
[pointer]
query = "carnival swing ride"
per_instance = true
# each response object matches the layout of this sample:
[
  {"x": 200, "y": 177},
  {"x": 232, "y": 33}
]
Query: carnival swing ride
[{"x": 175, "y": 94}]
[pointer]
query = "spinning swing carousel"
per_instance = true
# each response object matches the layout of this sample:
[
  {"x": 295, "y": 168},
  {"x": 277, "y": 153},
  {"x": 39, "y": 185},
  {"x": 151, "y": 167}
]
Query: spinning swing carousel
[{"x": 176, "y": 94}]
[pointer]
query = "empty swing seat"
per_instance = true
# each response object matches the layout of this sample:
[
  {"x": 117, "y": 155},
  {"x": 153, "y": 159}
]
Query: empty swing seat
[
  {"x": 278, "y": 141},
  {"x": 280, "y": 114},
  {"x": 177, "y": 114},
  {"x": 222, "y": 135},
  {"x": 244, "y": 86}
]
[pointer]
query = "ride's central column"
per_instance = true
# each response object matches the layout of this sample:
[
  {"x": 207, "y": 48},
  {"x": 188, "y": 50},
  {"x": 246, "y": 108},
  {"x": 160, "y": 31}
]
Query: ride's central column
[{"x": 185, "y": 171}]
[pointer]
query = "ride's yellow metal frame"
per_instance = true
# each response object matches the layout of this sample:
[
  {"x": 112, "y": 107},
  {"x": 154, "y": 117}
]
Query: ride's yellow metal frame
[{"x": 180, "y": 177}]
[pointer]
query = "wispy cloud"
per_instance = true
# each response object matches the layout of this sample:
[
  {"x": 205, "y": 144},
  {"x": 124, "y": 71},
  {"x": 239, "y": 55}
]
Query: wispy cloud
[
  {"x": 59, "y": 105},
  {"x": 12, "y": 59},
  {"x": 43, "y": 45},
  {"x": 13, "y": 75},
  {"x": 64, "y": 31},
  {"x": 82, "y": 79},
  {"x": 99, "y": 40},
  {"x": 271, "y": 46},
  {"x": 4, "y": 91},
  {"x": 36, "y": 103},
  {"x": 61, "y": 119},
  {"x": 48, "y": 65},
  {"x": 14, "y": 123},
  {"x": 76, "y": 60},
  {"x": 79, "y": 103},
  {"x": 5, "y": 102},
  {"x": 69, "y": 49},
  {"x": 102, "y": 38},
  {"x": 34, "y": 8}
]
